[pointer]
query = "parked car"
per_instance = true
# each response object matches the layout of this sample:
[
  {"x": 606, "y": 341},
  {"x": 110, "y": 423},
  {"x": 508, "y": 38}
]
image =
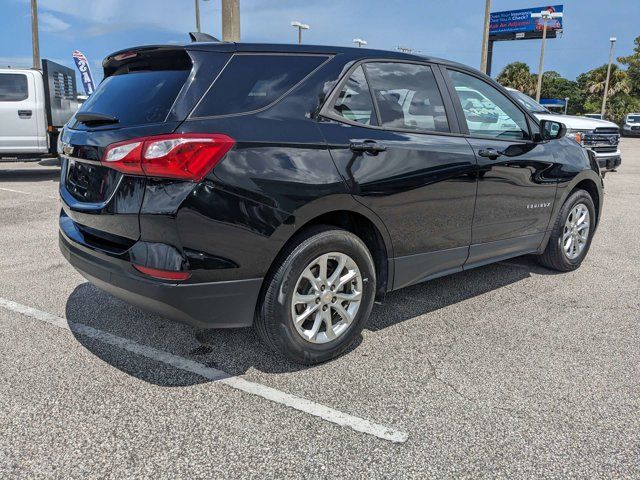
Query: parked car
[
  {"x": 600, "y": 136},
  {"x": 34, "y": 105},
  {"x": 631, "y": 127},
  {"x": 596, "y": 116},
  {"x": 289, "y": 187}
]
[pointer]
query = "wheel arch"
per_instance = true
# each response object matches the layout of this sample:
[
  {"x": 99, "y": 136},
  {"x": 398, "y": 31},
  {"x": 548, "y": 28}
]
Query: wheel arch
[{"x": 343, "y": 211}]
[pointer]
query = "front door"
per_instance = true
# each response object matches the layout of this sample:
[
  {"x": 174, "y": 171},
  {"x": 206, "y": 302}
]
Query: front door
[
  {"x": 515, "y": 193},
  {"x": 390, "y": 136}
]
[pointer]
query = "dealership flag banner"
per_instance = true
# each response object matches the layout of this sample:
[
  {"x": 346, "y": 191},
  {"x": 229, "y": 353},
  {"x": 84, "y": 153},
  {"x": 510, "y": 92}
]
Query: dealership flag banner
[{"x": 85, "y": 72}]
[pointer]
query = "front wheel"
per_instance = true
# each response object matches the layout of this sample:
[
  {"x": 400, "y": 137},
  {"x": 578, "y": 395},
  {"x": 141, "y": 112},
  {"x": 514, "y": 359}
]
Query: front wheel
[
  {"x": 572, "y": 233},
  {"x": 318, "y": 297}
]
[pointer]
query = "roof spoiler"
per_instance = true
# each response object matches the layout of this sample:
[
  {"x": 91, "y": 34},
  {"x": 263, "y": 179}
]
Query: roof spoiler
[{"x": 202, "y": 37}]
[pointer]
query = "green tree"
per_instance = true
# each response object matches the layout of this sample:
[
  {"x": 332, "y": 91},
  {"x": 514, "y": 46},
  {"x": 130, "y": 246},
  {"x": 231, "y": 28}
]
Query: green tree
[
  {"x": 632, "y": 63},
  {"x": 517, "y": 75},
  {"x": 592, "y": 84},
  {"x": 555, "y": 86}
]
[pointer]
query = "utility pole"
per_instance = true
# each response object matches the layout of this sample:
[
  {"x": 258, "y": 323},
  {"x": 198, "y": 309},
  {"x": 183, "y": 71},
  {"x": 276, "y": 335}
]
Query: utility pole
[
  {"x": 485, "y": 37},
  {"x": 612, "y": 40},
  {"x": 545, "y": 15},
  {"x": 198, "y": 16},
  {"x": 35, "y": 41},
  {"x": 360, "y": 42},
  {"x": 566, "y": 105},
  {"x": 300, "y": 27},
  {"x": 230, "y": 20}
]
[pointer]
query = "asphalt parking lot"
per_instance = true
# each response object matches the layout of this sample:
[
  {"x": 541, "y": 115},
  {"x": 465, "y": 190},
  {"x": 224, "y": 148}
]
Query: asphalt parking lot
[{"x": 508, "y": 370}]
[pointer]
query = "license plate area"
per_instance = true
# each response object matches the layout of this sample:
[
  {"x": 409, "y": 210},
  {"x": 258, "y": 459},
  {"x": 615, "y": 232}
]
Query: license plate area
[{"x": 90, "y": 183}]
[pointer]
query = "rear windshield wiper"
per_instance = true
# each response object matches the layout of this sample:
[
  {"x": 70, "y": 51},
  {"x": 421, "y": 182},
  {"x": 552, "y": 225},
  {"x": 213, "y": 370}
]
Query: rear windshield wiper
[{"x": 94, "y": 118}]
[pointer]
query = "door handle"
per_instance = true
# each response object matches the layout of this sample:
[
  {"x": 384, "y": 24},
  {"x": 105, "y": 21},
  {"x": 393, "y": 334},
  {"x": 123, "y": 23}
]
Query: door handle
[
  {"x": 368, "y": 146},
  {"x": 25, "y": 113},
  {"x": 490, "y": 153}
]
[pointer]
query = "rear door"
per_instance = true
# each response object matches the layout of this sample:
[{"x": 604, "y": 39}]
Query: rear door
[
  {"x": 18, "y": 113},
  {"x": 146, "y": 92},
  {"x": 394, "y": 138},
  {"x": 515, "y": 189}
]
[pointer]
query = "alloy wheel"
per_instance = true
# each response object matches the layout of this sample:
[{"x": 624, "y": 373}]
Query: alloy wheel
[
  {"x": 327, "y": 297},
  {"x": 576, "y": 231}
]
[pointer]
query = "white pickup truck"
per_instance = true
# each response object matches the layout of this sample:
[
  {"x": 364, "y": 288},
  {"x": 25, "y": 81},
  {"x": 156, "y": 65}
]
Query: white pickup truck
[
  {"x": 34, "y": 106},
  {"x": 600, "y": 136}
]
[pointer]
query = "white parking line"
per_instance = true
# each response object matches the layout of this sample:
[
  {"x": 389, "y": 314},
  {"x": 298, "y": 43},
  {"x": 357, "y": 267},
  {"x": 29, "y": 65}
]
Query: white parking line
[
  {"x": 14, "y": 191},
  {"x": 307, "y": 406}
]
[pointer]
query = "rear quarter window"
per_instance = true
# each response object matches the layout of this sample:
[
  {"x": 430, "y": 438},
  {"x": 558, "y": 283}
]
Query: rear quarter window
[{"x": 254, "y": 81}]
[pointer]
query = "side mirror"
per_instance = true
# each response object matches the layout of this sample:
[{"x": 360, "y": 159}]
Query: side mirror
[{"x": 551, "y": 130}]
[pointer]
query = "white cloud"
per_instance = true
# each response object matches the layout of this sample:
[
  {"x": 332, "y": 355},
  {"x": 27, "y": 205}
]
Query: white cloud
[{"x": 48, "y": 22}]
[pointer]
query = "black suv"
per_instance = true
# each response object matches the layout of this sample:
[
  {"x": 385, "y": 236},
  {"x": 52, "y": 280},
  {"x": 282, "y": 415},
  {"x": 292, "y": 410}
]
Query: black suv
[{"x": 289, "y": 187}]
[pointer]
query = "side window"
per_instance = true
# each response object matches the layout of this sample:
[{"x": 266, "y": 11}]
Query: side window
[
  {"x": 13, "y": 87},
  {"x": 407, "y": 96},
  {"x": 250, "y": 82},
  {"x": 354, "y": 102},
  {"x": 487, "y": 111}
]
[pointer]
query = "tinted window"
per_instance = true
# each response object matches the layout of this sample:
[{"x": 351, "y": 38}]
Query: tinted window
[
  {"x": 487, "y": 111},
  {"x": 354, "y": 102},
  {"x": 407, "y": 96},
  {"x": 137, "y": 98},
  {"x": 13, "y": 87},
  {"x": 251, "y": 82}
]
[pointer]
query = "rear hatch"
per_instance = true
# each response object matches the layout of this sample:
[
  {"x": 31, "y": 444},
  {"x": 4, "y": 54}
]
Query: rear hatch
[{"x": 147, "y": 91}]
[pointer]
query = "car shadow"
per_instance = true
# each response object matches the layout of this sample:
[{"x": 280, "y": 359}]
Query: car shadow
[
  {"x": 36, "y": 174},
  {"x": 235, "y": 351}
]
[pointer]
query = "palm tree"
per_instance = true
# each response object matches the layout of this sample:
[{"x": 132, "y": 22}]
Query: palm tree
[
  {"x": 517, "y": 75},
  {"x": 594, "y": 81}
]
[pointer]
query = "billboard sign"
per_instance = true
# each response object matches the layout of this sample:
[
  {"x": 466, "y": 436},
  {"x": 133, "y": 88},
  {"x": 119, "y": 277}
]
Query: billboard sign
[
  {"x": 85, "y": 72},
  {"x": 513, "y": 22}
]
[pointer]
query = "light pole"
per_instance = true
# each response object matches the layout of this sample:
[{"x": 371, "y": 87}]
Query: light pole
[
  {"x": 35, "y": 42},
  {"x": 197, "y": 16},
  {"x": 300, "y": 27},
  {"x": 360, "y": 42},
  {"x": 485, "y": 37},
  {"x": 612, "y": 40},
  {"x": 566, "y": 105},
  {"x": 230, "y": 20},
  {"x": 546, "y": 15}
]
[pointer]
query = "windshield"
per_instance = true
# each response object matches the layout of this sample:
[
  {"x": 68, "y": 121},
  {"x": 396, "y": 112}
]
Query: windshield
[
  {"x": 633, "y": 118},
  {"x": 529, "y": 103}
]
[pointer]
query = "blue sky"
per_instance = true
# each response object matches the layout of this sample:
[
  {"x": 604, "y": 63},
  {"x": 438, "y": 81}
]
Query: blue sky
[{"x": 451, "y": 29}]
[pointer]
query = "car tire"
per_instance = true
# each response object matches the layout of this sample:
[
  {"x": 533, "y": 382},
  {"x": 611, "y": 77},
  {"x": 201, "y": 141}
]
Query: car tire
[
  {"x": 275, "y": 322},
  {"x": 567, "y": 245}
]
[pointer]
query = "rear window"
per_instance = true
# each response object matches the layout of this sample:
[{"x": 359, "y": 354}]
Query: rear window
[
  {"x": 137, "y": 98},
  {"x": 13, "y": 87},
  {"x": 253, "y": 81}
]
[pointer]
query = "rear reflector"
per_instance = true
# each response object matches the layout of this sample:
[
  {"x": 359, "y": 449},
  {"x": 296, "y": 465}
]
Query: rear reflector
[
  {"x": 162, "y": 274},
  {"x": 187, "y": 156}
]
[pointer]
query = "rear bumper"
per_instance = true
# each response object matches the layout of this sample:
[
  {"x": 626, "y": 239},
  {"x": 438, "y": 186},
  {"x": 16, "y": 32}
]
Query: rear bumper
[{"x": 205, "y": 305}]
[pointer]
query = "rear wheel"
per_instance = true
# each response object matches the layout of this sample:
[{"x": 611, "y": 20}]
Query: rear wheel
[
  {"x": 572, "y": 233},
  {"x": 318, "y": 297}
]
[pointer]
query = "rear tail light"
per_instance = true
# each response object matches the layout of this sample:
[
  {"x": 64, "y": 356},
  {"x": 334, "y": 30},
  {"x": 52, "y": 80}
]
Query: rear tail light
[
  {"x": 162, "y": 274},
  {"x": 187, "y": 156}
]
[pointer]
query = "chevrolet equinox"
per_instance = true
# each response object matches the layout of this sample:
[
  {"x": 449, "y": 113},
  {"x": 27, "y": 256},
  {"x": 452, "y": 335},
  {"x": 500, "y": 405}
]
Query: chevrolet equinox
[{"x": 289, "y": 187}]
